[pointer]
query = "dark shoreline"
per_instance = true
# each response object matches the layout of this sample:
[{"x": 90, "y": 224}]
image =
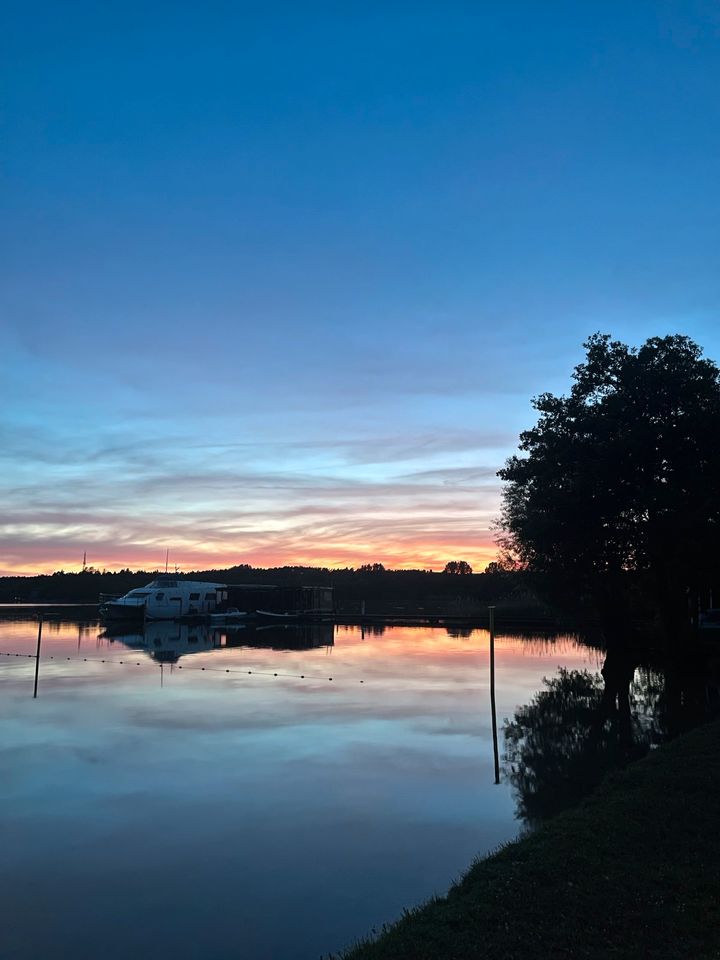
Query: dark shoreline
[
  {"x": 633, "y": 871},
  {"x": 410, "y": 619}
]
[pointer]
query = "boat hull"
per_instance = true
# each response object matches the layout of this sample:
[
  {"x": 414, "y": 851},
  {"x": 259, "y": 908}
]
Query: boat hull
[{"x": 134, "y": 613}]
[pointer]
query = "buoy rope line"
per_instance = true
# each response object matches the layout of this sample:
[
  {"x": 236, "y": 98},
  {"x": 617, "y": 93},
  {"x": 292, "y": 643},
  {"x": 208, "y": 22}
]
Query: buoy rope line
[{"x": 177, "y": 666}]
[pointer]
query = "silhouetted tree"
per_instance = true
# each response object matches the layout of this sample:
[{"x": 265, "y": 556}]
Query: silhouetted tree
[
  {"x": 623, "y": 474},
  {"x": 458, "y": 568},
  {"x": 372, "y": 568}
]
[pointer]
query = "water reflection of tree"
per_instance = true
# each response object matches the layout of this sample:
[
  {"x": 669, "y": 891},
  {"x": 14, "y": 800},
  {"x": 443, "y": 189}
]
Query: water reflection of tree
[
  {"x": 560, "y": 745},
  {"x": 581, "y": 725}
]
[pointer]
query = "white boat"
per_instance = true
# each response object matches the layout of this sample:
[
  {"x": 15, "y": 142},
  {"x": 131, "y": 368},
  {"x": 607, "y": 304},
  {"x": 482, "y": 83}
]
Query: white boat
[{"x": 167, "y": 598}]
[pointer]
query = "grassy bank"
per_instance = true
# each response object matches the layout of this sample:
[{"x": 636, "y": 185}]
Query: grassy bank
[{"x": 632, "y": 872}]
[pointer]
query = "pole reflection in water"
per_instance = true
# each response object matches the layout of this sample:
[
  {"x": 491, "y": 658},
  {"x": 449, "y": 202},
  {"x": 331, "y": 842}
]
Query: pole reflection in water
[
  {"x": 496, "y": 755},
  {"x": 37, "y": 656}
]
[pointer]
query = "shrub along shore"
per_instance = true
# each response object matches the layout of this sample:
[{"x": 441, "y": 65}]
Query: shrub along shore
[{"x": 633, "y": 871}]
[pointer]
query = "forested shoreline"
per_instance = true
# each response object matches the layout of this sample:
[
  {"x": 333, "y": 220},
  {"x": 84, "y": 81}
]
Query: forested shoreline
[{"x": 374, "y": 592}]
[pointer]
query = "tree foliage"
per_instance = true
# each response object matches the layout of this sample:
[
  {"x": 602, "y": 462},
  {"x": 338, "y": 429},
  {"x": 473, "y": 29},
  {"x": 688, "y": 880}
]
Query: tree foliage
[
  {"x": 458, "y": 568},
  {"x": 624, "y": 472}
]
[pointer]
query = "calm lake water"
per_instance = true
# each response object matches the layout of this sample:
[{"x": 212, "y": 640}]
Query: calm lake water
[{"x": 189, "y": 793}]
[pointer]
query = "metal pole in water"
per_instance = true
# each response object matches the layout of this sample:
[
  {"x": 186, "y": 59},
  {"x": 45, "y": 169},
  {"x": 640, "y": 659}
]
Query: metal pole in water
[
  {"x": 37, "y": 656},
  {"x": 491, "y": 614}
]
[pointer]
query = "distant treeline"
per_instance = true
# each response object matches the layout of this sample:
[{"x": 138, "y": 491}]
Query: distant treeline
[
  {"x": 373, "y": 591},
  {"x": 520, "y": 595}
]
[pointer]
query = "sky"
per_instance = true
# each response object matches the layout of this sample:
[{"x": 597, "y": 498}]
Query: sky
[{"x": 278, "y": 282}]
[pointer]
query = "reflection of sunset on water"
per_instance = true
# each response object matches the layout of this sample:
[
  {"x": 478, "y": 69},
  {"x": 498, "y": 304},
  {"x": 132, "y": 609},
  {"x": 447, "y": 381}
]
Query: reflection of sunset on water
[
  {"x": 408, "y": 671},
  {"x": 230, "y": 756}
]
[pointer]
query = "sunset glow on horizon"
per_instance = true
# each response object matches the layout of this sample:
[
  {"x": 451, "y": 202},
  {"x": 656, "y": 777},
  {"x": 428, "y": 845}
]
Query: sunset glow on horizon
[
  {"x": 403, "y": 523},
  {"x": 186, "y": 561},
  {"x": 200, "y": 557}
]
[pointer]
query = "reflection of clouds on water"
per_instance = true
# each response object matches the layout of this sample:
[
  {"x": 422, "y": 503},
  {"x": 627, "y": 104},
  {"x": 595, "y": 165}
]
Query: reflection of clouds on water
[{"x": 319, "y": 795}]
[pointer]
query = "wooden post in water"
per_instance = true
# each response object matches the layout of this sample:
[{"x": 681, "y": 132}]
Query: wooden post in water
[
  {"x": 37, "y": 656},
  {"x": 491, "y": 614}
]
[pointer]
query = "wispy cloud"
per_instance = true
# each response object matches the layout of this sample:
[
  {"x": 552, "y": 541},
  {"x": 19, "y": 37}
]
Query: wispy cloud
[{"x": 125, "y": 500}]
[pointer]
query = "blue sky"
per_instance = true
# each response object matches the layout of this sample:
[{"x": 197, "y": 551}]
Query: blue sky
[{"x": 278, "y": 281}]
